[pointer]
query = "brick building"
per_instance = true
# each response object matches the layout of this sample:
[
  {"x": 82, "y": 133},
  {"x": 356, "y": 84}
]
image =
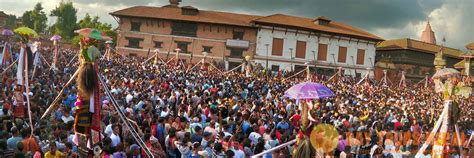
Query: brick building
[
  {"x": 229, "y": 37},
  {"x": 226, "y": 37}
]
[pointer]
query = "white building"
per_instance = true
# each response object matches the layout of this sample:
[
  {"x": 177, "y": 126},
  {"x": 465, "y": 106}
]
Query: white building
[{"x": 287, "y": 42}]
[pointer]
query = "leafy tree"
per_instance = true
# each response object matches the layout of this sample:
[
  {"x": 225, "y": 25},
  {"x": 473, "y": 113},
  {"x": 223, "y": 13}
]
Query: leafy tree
[
  {"x": 11, "y": 21},
  {"x": 39, "y": 18},
  {"x": 27, "y": 19},
  {"x": 66, "y": 19},
  {"x": 35, "y": 19}
]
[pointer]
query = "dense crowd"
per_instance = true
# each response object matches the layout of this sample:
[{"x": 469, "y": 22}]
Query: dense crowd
[{"x": 196, "y": 113}]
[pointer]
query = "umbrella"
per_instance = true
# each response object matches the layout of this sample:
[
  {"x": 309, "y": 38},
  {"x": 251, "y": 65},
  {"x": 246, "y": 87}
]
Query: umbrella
[
  {"x": 55, "y": 38},
  {"x": 446, "y": 73},
  {"x": 308, "y": 90},
  {"x": 470, "y": 46},
  {"x": 26, "y": 32},
  {"x": 93, "y": 33},
  {"x": 7, "y": 32}
]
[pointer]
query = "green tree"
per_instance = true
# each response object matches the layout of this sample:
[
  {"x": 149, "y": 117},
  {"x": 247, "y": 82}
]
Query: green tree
[
  {"x": 27, "y": 19},
  {"x": 39, "y": 18},
  {"x": 66, "y": 19},
  {"x": 35, "y": 19},
  {"x": 11, "y": 21}
]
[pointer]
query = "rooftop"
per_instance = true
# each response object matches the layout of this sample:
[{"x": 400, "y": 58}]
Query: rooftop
[
  {"x": 307, "y": 23},
  {"x": 411, "y": 44},
  {"x": 174, "y": 12}
]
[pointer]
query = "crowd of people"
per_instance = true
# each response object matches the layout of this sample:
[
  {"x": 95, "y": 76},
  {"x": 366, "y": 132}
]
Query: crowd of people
[{"x": 216, "y": 114}]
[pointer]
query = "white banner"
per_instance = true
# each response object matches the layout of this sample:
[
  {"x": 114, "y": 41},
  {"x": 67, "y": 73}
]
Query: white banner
[{"x": 20, "y": 69}]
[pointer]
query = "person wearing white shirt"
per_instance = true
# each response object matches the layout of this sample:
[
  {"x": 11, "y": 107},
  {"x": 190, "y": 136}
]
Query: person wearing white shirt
[
  {"x": 66, "y": 116},
  {"x": 115, "y": 135},
  {"x": 128, "y": 98}
]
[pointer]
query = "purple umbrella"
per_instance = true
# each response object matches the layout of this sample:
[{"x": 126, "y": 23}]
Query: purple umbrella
[
  {"x": 308, "y": 90},
  {"x": 55, "y": 38},
  {"x": 7, "y": 32}
]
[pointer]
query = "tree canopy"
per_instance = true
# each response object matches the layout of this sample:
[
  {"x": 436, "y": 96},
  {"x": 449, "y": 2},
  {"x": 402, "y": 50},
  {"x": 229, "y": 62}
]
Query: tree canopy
[
  {"x": 66, "y": 20},
  {"x": 35, "y": 19}
]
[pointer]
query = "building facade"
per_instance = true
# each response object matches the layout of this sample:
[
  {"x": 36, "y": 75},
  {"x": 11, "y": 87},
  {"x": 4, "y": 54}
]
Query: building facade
[
  {"x": 414, "y": 57},
  {"x": 226, "y": 37},
  {"x": 287, "y": 43},
  {"x": 276, "y": 42}
]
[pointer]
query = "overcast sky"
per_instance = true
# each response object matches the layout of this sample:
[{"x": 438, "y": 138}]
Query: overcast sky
[{"x": 389, "y": 19}]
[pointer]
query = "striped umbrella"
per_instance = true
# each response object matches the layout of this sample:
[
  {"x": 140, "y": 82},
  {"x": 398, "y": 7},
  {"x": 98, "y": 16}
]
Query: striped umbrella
[
  {"x": 93, "y": 33},
  {"x": 7, "y": 32}
]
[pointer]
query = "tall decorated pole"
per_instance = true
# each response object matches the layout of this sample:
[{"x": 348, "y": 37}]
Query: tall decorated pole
[
  {"x": 308, "y": 72},
  {"x": 108, "y": 47},
  {"x": 87, "y": 121},
  {"x": 248, "y": 66},
  {"x": 447, "y": 83},
  {"x": 55, "y": 40},
  {"x": 6, "y": 52},
  {"x": 25, "y": 63}
]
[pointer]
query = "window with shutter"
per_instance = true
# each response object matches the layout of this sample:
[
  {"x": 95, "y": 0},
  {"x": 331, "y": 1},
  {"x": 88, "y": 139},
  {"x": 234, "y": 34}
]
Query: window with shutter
[
  {"x": 341, "y": 57},
  {"x": 277, "y": 47},
  {"x": 360, "y": 56},
  {"x": 322, "y": 52},
  {"x": 133, "y": 42},
  {"x": 301, "y": 49},
  {"x": 135, "y": 26}
]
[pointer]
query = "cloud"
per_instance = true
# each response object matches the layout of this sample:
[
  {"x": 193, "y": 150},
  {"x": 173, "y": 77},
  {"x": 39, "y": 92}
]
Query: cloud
[{"x": 455, "y": 21}]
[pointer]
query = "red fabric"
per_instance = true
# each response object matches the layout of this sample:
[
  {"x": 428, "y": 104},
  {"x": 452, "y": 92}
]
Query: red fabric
[
  {"x": 213, "y": 90},
  {"x": 96, "y": 118},
  {"x": 397, "y": 125},
  {"x": 294, "y": 121},
  {"x": 261, "y": 130},
  {"x": 278, "y": 135},
  {"x": 153, "y": 130}
]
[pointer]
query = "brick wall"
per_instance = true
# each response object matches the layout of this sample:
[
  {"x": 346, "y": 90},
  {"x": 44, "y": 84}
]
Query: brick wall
[{"x": 212, "y": 35}]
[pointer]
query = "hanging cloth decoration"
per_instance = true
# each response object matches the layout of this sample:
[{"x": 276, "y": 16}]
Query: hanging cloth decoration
[{"x": 88, "y": 99}]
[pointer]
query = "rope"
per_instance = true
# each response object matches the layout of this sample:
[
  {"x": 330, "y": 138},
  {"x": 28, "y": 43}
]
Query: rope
[
  {"x": 233, "y": 68},
  {"x": 28, "y": 93},
  {"x": 11, "y": 65},
  {"x": 125, "y": 119},
  {"x": 294, "y": 74},
  {"x": 58, "y": 97}
]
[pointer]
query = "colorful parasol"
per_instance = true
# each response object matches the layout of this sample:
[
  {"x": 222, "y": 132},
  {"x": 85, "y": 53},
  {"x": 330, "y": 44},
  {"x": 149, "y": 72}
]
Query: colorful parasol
[
  {"x": 470, "y": 46},
  {"x": 7, "y": 32},
  {"x": 446, "y": 73},
  {"x": 26, "y": 32},
  {"x": 308, "y": 90},
  {"x": 324, "y": 138},
  {"x": 93, "y": 33},
  {"x": 55, "y": 38}
]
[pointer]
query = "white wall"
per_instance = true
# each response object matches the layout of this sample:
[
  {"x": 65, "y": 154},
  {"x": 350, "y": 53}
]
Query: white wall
[{"x": 265, "y": 36}]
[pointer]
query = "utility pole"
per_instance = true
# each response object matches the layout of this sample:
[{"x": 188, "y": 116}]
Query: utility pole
[
  {"x": 335, "y": 64},
  {"x": 266, "y": 66},
  {"x": 291, "y": 55},
  {"x": 353, "y": 63},
  {"x": 372, "y": 66}
]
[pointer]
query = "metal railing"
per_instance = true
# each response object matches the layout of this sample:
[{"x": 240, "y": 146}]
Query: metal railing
[{"x": 274, "y": 149}]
